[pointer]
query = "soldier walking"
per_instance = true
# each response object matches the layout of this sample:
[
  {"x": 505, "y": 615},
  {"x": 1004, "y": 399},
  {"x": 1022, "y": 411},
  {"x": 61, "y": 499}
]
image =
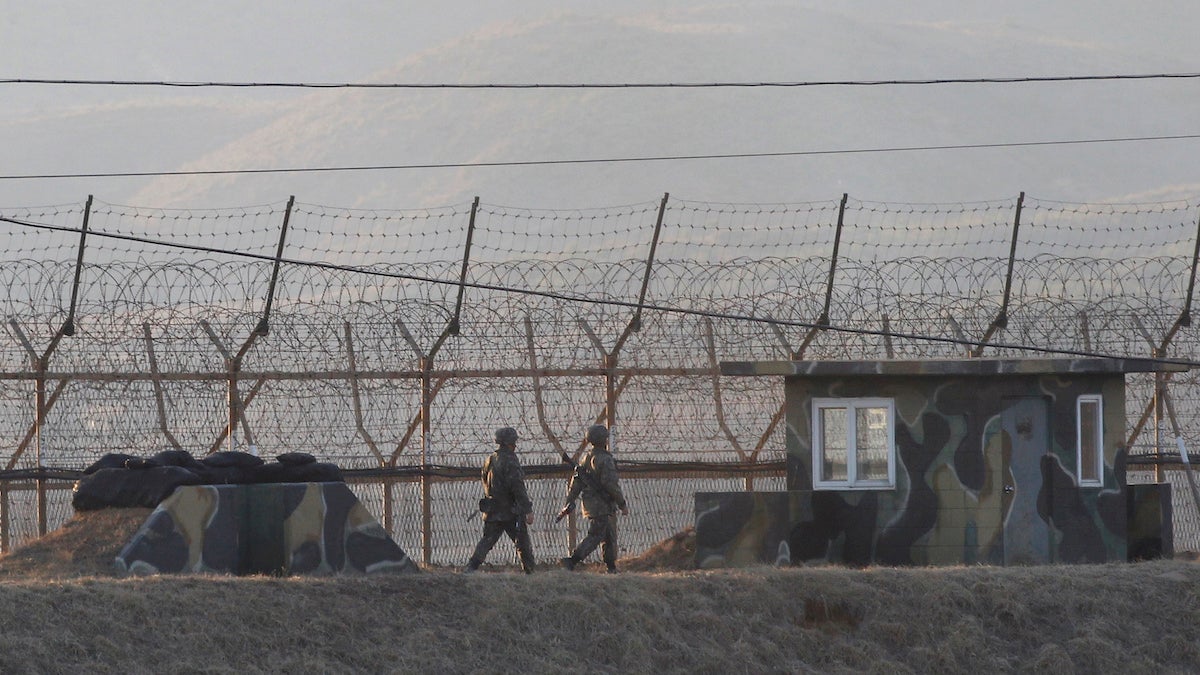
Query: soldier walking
[
  {"x": 595, "y": 478},
  {"x": 505, "y": 505}
]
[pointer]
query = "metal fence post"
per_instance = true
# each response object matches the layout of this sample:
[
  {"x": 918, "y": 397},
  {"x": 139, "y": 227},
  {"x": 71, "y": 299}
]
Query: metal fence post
[
  {"x": 1159, "y": 350},
  {"x": 43, "y": 364},
  {"x": 427, "y": 393},
  {"x": 426, "y": 479},
  {"x": 1001, "y": 320},
  {"x": 264, "y": 323},
  {"x": 356, "y": 396},
  {"x": 156, "y": 380},
  {"x": 823, "y": 319},
  {"x": 5, "y": 523},
  {"x": 718, "y": 403},
  {"x": 40, "y": 401},
  {"x": 1185, "y": 318},
  {"x": 635, "y": 323}
]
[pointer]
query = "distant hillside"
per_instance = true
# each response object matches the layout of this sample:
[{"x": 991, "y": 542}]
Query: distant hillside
[{"x": 755, "y": 42}]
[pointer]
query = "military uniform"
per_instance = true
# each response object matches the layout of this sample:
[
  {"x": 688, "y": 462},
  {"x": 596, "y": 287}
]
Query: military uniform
[
  {"x": 506, "y": 505},
  {"x": 595, "y": 480}
]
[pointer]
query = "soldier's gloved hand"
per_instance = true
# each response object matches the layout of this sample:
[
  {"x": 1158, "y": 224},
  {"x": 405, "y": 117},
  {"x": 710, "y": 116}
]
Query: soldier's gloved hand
[{"x": 528, "y": 518}]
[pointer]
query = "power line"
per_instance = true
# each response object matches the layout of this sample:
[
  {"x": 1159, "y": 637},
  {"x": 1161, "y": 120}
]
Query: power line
[
  {"x": 602, "y": 85},
  {"x": 564, "y": 297},
  {"x": 598, "y": 160}
]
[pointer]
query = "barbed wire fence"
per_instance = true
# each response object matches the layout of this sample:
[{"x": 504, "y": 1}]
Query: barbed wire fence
[{"x": 392, "y": 342}]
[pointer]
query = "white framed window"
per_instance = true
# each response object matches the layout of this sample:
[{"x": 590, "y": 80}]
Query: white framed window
[
  {"x": 1089, "y": 435},
  {"x": 853, "y": 443}
]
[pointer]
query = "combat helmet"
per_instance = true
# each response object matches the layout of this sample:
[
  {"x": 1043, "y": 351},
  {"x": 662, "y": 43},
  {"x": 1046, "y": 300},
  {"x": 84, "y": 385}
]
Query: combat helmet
[
  {"x": 597, "y": 434},
  {"x": 506, "y": 436}
]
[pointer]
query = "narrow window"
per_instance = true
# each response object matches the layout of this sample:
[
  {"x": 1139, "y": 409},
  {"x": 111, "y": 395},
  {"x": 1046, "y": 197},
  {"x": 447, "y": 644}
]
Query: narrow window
[
  {"x": 834, "y": 450},
  {"x": 1090, "y": 448},
  {"x": 853, "y": 443}
]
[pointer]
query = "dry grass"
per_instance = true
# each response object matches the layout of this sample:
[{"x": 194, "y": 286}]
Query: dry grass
[
  {"x": 84, "y": 546},
  {"x": 62, "y": 610}
]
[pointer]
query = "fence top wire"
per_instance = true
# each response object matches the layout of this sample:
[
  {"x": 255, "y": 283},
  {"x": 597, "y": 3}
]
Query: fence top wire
[
  {"x": 912, "y": 263},
  {"x": 704, "y": 232},
  {"x": 611, "y": 234},
  {"x": 1108, "y": 231},
  {"x": 140, "y": 233},
  {"x": 875, "y": 231},
  {"x": 371, "y": 239},
  {"x": 374, "y": 290}
]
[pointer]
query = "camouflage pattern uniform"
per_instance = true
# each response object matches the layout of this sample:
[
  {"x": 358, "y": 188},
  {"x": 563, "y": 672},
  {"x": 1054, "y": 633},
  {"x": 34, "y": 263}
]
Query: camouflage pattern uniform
[
  {"x": 595, "y": 479},
  {"x": 510, "y": 507}
]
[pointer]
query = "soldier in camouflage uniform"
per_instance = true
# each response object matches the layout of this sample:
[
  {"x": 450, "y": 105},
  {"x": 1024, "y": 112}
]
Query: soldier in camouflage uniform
[
  {"x": 595, "y": 478},
  {"x": 506, "y": 505}
]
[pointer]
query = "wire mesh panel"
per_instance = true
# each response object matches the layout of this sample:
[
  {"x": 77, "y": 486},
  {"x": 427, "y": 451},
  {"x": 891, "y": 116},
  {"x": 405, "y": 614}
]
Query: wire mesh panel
[
  {"x": 1108, "y": 231},
  {"x": 705, "y": 232},
  {"x": 40, "y": 247},
  {"x": 376, "y": 239},
  {"x": 20, "y": 499},
  {"x": 660, "y": 507},
  {"x": 369, "y": 344}
]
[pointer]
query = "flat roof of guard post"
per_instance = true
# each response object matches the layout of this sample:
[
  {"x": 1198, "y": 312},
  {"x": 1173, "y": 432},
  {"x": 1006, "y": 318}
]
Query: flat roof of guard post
[{"x": 963, "y": 366}]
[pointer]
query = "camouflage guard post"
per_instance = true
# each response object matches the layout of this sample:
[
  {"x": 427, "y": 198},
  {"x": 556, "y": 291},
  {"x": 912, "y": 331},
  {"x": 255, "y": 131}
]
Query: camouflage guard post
[
  {"x": 944, "y": 462},
  {"x": 506, "y": 506},
  {"x": 595, "y": 478}
]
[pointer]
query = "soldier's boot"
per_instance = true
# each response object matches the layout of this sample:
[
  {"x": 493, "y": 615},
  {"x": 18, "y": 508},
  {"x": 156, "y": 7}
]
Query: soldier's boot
[
  {"x": 611, "y": 567},
  {"x": 569, "y": 563},
  {"x": 472, "y": 566}
]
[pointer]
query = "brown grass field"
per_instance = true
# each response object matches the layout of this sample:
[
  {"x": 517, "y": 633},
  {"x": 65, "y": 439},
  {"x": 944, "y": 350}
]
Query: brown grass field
[{"x": 63, "y": 609}]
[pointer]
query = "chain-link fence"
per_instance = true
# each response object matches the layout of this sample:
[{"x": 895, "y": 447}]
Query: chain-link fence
[{"x": 394, "y": 341}]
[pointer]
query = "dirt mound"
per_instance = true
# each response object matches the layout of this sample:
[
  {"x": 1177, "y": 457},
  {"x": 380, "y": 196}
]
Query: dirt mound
[
  {"x": 85, "y": 546},
  {"x": 673, "y": 554}
]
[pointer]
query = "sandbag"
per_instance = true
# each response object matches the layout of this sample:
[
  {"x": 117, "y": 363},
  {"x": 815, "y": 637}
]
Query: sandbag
[
  {"x": 112, "y": 460},
  {"x": 296, "y": 458},
  {"x": 227, "y": 458},
  {"x": 120, "y": 480},
  {"x": 311, "y": 472},
  {"x": 124, "y": 488}
]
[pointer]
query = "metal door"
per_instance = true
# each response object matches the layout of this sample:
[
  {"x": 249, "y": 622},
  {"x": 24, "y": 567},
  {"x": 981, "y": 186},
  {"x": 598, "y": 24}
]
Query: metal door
[{"x": 1025, "y": 423}]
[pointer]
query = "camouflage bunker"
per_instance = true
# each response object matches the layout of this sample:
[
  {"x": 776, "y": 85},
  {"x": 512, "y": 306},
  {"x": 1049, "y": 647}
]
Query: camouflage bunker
[
  {"x": 941, "y": 462},
  {"x": 278, "y": 529}
]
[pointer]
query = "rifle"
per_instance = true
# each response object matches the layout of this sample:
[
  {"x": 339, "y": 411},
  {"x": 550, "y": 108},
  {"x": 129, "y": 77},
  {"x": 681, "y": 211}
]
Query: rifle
[
  {"x": 485, "y": 506},
  {"x": 485, "y": 503},
  {"x": 586, "y": 476}
]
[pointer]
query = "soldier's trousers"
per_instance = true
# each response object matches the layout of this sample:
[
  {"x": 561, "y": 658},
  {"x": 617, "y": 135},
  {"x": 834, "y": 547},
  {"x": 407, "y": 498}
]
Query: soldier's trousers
[
  {"x": 516, "y": 530},
  {"x": 602, "y": 532}
]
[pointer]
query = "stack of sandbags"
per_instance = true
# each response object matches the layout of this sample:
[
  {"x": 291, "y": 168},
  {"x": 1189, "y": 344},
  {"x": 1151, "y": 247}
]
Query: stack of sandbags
[{"x": 121, "y": 480}]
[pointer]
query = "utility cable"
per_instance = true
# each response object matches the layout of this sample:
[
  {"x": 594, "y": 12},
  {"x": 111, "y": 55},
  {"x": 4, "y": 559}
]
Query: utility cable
[
  {"x": 600, "y": 85},
  {"x": 598, "y": 160}
]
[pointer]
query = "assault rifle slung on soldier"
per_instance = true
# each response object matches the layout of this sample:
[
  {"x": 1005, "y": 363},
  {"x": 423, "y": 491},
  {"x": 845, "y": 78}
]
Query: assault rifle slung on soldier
[{"x": 585, "y": 474}]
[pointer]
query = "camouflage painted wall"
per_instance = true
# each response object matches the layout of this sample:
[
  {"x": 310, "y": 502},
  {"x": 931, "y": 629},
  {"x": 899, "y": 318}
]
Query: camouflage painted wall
[
  {"x": 280, "y": 529},
  {"x": 960, "y": 441},
  {"x": 734, "y": 529}
]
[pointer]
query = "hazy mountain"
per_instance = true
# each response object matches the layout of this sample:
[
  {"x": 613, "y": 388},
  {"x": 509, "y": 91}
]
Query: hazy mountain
[{"x": 272, "y": 129}]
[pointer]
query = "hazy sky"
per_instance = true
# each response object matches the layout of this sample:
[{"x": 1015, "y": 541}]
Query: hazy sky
[
  {"x": 66, "y": 129},
  {"x": 310, "y": 40}
]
